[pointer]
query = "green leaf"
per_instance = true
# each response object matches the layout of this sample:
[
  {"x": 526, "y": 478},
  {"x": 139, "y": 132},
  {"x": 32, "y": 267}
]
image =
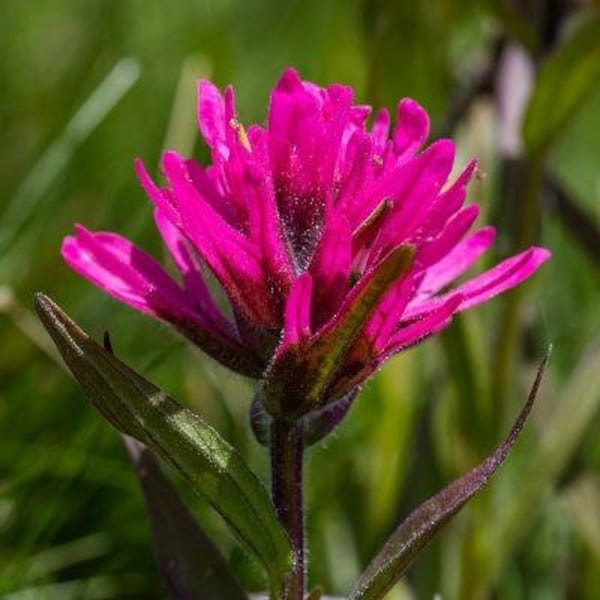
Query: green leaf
[
  {"x": 33, "y": 190},
  {"x": 191, "y": 565},
  {"x": 208, "y": 463},
  {"x": 415, "y": 532},
  {"x": 563, "y": 84}
]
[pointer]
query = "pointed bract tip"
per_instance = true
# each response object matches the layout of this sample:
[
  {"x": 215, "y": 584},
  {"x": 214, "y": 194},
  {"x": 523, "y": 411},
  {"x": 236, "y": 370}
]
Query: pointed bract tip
[
  {"x": 383, "y": 113},
  {"x": 442, "y": 152},
  {"x": 289, "y": 80},
  {"x": 171, "y": 159},
  {"x": 408, "y": 251},
  {"x": 203, "y": 82},
  {"x": 465, "y": 176},
  {"x": 142, "y": 173},
  {"x": 207, "y": 91},
  {"x": 488, "y": 233},
  {"x": 541, "y": 254},
  {"x": 400, "y": 260},
  {"x": 412, "y": 128},
  {"x": 81, "y": 230},
  {"x": 411, "y": 114}
]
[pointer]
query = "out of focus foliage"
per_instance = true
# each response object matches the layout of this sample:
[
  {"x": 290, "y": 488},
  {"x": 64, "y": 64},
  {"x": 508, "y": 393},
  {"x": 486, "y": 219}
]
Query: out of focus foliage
[{"x": 87, "y": 86}]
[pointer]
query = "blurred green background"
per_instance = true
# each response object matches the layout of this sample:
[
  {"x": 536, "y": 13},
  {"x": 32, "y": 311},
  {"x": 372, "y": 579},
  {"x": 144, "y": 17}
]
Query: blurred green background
[{"x": 89, "y": 85}]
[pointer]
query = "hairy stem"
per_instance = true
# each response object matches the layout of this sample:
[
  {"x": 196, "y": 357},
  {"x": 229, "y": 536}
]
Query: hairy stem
[{"x": 287, "y": 451}]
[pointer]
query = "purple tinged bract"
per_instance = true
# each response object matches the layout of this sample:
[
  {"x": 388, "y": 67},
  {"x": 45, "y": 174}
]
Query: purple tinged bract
[{"x": 295, "y": 220}]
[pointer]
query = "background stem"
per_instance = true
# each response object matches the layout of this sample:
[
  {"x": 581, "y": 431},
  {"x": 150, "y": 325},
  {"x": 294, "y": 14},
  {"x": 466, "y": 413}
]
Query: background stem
[
  {"x": 287, "y": 451},
  {"x": 508, "y": 346}
]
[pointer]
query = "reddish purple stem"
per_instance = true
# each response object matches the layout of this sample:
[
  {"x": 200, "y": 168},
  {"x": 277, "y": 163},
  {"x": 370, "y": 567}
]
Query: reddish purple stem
[{"x": 287, "y": 452}]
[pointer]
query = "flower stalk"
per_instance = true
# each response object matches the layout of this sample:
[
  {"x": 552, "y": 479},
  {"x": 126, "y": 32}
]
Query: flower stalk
[{"x": 287, "y": 458}]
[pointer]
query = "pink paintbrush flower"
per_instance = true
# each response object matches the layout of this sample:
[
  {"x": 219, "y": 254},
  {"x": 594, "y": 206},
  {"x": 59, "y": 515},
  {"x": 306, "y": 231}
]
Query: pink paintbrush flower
[{"x": 334, "y": 243}]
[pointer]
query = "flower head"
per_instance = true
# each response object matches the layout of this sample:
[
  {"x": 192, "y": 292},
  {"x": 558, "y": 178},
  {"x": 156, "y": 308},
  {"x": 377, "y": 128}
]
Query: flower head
[{"x": 334, "y": 242}]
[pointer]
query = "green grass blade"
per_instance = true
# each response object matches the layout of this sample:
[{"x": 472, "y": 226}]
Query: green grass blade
[{"x": 40, "y": 178}]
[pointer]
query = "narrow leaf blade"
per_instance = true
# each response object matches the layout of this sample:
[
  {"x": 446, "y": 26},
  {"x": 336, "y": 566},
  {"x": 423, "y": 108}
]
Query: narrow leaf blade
[
  {"x": 191, "y": 565},
  {"x": 207, "y": 462},
  {"x": 417, "y": 530}
]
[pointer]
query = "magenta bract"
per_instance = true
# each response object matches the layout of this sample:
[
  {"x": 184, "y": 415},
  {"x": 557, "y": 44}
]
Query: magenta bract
[{"x": 300, "y": 221}]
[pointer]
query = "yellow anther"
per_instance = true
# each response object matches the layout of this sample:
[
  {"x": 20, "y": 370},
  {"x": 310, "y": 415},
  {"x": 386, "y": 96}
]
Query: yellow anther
[{"x": 242, "y": 135}]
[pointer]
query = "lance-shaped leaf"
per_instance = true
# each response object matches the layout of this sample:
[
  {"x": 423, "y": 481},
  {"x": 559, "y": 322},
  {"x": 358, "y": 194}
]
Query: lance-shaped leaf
[
  {"x": 191, "y": 565},
  {"x": 208, "y": 463},
  {"x": 298, "y": 379},
  {"x": 415, "y": 532}
]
